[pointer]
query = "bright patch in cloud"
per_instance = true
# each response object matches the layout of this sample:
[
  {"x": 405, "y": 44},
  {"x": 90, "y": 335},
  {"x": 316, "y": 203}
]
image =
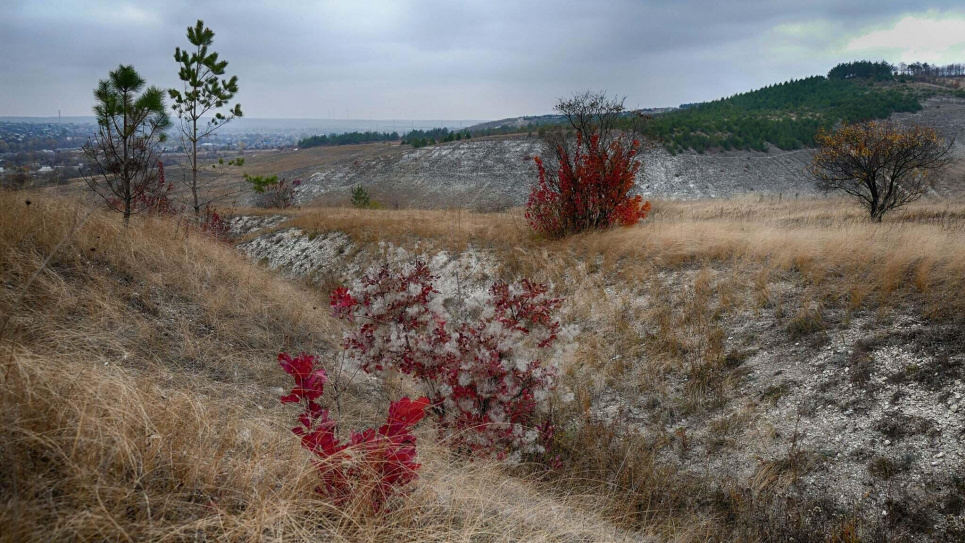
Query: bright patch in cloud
[
  {"x": 916, "y": 38},
  {"x": 817, "y": 29}
]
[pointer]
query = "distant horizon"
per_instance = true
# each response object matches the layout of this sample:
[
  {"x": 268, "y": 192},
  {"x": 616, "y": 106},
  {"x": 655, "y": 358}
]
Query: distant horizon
[
  {"x": 292, "y": 126},
  {"x": 247, "y": 118}
]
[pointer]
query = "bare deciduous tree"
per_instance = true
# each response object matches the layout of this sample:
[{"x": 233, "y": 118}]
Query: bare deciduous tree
[{"x": 589, "y": 113}]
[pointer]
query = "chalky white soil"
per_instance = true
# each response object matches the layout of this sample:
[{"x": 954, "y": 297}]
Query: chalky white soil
[
  {"x": 869, "y": 410},
  {"x": 495, "y": 173}
]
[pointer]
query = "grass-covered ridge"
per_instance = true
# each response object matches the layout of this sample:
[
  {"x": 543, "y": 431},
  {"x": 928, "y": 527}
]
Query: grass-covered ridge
[{"x": 786, "y": 115}]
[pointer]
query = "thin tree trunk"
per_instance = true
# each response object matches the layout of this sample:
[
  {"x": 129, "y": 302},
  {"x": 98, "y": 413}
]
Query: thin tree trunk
[
  {"x": 124, "y": 171},
  {"x": 194, "y": 141},
  {"x": 194, "y": 170}
]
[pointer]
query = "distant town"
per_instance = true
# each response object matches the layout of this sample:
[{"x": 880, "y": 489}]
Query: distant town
[{"x": 50, "y": 149}]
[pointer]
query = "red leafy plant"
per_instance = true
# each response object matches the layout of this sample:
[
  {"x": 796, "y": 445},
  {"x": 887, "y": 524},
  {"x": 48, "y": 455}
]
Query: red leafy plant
[
  {"x": 282, "y": 194},
  {"x": 374, "y": 464},
  {"x": 214, "y": 225},
  {"x": 151, "y": 196},
  {"x": 486, "y": 381},
  {"x": 272, "y": 192},
  {"x": 589, "y": 190}
]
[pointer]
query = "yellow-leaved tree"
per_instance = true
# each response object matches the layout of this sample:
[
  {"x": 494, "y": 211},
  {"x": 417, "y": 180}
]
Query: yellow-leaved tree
[{"x": 881, "y": 164}]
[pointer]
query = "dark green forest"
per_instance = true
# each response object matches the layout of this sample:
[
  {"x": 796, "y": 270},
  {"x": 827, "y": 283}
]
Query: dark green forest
[
  {"x": 422, "y": 138},
  {"x": 786, "y": 115},
  {"x": 349, "y": 138},
  {"x": 415, "y": 138},
  {"x": 865, "y": 69}
]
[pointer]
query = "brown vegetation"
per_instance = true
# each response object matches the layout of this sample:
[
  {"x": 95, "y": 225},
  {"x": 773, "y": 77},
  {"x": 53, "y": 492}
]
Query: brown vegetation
[
  {"x": 880, "y": 164},
  {"x": 916, "y": 255},
  {"x": 138, "y": 371},
  {"x": 138, "y": 401}
]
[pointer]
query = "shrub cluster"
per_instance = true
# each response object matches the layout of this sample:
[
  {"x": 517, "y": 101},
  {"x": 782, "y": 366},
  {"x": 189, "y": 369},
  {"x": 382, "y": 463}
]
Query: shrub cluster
[
  {"x": 588, "y": 191},
  {"x": 484, "y": 376},
  {"x": 151, "y": 196},
  {"x": 273, "y": 192},
  {"x": 361, "y": 198},
  {"x": 214, "y": 225}
]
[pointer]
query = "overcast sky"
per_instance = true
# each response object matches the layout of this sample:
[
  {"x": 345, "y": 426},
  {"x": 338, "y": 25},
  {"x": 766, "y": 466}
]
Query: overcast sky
[{"x": 449, "y": 59}]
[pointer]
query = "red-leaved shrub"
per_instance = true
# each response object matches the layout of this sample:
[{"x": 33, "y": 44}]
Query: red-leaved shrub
[
  {"x": 374, "y": 464},
  {"x": 214, "y": 225},
  {"x": 151, "y": 196},
  {"x": 279, "y": 194},
  {"x": 485, "y": 378},
  {"x": 588, "y": 191}
]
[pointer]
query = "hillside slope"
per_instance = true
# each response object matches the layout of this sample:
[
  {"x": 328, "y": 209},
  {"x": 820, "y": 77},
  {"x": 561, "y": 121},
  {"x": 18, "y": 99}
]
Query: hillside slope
[
  {"x": 785, "y": 115},
  {"x": 495, "y": 173},
  {"x": 139, "y": 396},
  {"x": 783, "y": 370},
  {"x": 739, "y": 370}
]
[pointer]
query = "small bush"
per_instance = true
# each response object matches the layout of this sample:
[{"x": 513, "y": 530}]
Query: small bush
[
  {"x": 360, "y": 197},
  {"x": 153, "y": 195},
  {"x": 588, "y": 191},
  {"x": 214, "y": 225},
  {"x": 272, "y": 192},
  {"x": 18, "y": 179},
  {"x": 374, "y": 464}
]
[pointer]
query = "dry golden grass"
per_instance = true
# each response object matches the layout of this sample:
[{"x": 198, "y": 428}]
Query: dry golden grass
[
  {"x": 137, "y": 377},
  {"x": 916, "y": 255}
]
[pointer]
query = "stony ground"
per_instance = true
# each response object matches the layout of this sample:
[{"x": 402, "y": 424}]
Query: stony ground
[{"x": 864, "y": 412}]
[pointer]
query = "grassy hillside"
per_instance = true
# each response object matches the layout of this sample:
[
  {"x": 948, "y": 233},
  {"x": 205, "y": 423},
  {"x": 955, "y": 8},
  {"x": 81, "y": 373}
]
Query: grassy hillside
[
  {"x": 712, "y": 351},
  {"x": 139, "y": 397}
]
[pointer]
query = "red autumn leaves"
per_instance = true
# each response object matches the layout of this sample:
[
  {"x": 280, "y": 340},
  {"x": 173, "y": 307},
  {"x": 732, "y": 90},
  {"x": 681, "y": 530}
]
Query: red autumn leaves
[
  {"x": 589, "y": 190},
  {"x": 485, "y": 378},
  {"x": 373, "y": 464}
]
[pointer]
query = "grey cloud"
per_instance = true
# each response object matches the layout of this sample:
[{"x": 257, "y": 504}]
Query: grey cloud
[{"x": 425, "y": 59}]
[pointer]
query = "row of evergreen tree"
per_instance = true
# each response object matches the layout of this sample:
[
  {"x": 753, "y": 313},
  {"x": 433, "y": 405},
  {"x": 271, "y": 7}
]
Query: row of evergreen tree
[
  {"x": 787, "y": 115},
  {"x": 423, "y": 138},
  {"x": 415, "y": 138},
  {"x": 883, "y": 71},
  {"x": 348, "y": 138}
]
